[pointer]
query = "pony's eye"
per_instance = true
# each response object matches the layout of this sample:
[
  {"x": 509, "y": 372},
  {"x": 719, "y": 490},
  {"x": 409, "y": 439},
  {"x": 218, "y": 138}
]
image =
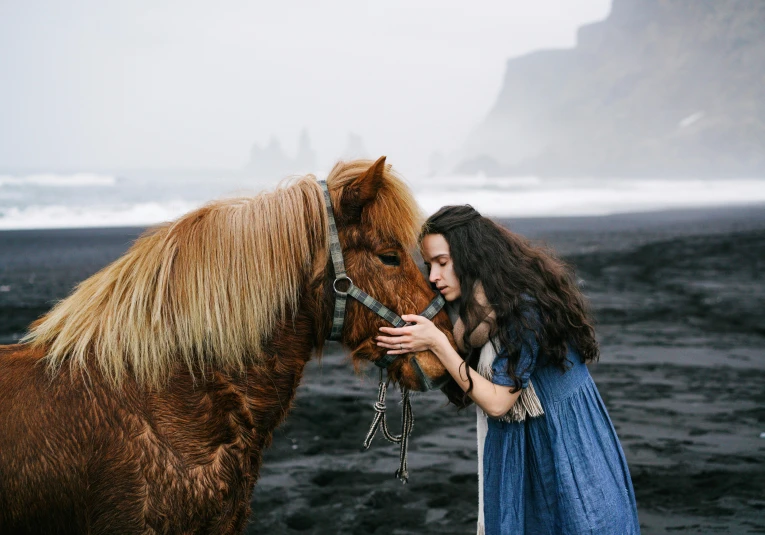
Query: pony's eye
[{"x": 390, "y": 259}]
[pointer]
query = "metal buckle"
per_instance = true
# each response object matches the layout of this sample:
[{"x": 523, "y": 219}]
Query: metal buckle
[{"x": 342, "y": 277}]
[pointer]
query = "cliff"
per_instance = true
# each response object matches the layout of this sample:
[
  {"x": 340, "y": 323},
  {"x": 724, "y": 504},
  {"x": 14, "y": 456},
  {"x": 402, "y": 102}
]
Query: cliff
[{"x": 661, "y": 88}]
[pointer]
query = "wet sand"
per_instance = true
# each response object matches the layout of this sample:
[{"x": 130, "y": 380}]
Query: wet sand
[{"x": 679, "y": 298}]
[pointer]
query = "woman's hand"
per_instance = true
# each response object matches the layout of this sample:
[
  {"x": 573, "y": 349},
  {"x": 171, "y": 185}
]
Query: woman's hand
[{"x": 422, "y": 335}]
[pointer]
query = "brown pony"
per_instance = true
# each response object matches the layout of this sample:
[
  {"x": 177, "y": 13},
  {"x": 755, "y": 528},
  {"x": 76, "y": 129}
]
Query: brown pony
[{"x": 142, "y": 403}]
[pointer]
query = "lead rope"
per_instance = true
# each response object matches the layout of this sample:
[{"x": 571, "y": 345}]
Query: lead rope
[{"x": 379, "y": 421}]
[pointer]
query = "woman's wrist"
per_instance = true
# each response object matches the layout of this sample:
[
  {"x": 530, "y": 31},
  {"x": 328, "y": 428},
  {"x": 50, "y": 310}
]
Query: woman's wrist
[{"x": 442, "y": 345}]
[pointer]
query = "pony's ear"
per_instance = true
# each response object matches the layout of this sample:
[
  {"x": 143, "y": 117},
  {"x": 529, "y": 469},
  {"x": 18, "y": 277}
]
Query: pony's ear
[{"x": 362, "y": 190}]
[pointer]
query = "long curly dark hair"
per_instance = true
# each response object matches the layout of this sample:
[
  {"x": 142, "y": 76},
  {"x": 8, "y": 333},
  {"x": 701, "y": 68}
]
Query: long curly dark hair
[{"x": 528, "y": 287}]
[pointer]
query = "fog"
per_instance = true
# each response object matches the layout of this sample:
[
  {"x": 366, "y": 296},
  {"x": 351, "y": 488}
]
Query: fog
[
  {"x": 134, "y": 113},
  {"x": 92, "y": 85}
]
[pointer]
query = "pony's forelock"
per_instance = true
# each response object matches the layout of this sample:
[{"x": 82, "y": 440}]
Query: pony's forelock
[{"x": 394, "y": 214}]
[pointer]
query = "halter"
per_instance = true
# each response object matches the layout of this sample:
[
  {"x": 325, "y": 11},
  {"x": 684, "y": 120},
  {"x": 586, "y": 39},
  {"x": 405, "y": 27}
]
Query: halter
[
  {"x": 359, "y": 295},
  {"x": 341, "y": 297}
]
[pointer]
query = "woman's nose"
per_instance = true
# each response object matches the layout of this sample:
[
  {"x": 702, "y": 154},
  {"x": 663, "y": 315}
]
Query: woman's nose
[{"x": 433, "y": 275}]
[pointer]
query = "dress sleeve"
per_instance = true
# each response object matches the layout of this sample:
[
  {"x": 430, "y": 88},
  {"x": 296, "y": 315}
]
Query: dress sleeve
[{"x": 526, "y": 362}]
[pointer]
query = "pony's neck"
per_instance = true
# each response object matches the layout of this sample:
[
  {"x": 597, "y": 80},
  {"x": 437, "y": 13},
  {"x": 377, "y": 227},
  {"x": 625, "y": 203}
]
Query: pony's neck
[{"x": 269, "y": 388}]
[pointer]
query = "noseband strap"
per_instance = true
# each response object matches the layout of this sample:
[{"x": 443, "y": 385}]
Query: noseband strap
[{"x": 336, "y": 251}]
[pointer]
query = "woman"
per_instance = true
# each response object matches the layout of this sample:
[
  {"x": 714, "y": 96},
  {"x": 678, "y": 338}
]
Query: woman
[{"x": 552, "y": 462}]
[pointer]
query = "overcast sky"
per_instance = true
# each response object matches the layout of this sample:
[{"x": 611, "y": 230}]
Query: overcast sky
[{"x": 185, "y": 84}]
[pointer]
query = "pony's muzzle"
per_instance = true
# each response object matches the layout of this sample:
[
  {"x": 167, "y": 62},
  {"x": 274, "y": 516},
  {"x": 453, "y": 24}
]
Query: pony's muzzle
[{"x": 426, "y": 382}]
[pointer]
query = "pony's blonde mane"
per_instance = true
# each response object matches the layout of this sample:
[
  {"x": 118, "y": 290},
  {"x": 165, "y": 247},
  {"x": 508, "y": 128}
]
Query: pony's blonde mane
[{"x": 208, "y": 289}]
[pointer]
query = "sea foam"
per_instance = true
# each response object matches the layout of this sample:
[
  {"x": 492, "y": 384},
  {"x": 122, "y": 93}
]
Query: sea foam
[{"x": 50, "y": 200}]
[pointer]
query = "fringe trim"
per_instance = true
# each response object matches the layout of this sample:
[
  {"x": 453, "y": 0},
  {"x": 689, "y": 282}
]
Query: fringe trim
[{"x": 527, "y": 405}]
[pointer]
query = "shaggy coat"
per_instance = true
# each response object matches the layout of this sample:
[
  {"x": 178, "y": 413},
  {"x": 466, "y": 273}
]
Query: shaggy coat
[{"x": 143, "y": 402}]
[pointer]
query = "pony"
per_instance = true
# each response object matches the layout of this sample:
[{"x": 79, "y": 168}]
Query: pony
[{"x": 143, "y": 402}]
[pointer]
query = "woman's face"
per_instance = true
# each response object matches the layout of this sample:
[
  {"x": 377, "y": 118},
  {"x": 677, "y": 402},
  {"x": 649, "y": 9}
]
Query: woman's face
[{"x": 435, "y": 253}]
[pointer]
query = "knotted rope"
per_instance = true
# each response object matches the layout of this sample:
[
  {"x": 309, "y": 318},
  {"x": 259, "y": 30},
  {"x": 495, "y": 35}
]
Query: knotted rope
[{"x": 379, "y": 421}]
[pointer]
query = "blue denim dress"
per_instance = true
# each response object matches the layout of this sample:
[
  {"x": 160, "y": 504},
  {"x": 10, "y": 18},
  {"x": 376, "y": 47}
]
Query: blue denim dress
[{"x": 563, "y": 473}]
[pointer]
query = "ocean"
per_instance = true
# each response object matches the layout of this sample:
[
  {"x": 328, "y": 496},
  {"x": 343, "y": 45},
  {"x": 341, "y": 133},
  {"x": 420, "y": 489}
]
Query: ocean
[{"x": 85, "y": 199}]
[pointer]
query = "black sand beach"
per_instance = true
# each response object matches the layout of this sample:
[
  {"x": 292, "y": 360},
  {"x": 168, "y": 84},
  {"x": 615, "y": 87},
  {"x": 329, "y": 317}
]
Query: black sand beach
[{"x": 679, "y": 298}]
